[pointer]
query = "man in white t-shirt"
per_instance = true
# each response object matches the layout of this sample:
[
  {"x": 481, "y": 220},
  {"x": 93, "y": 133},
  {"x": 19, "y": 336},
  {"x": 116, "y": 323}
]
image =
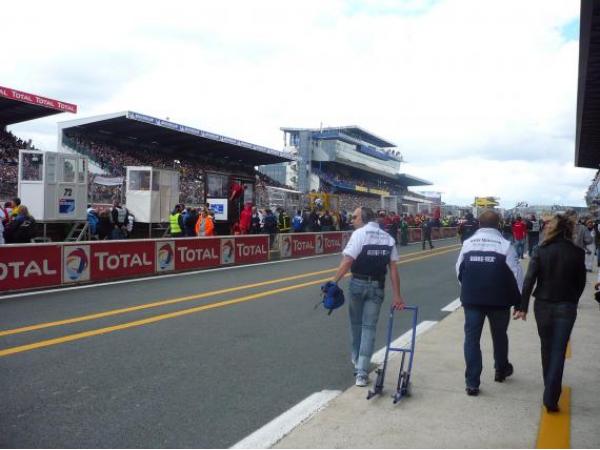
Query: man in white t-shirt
[{"x": 368, "y": 254}]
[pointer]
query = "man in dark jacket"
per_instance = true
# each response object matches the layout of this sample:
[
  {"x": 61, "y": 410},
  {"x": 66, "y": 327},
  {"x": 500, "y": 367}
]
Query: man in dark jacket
[
  {"x": 491, "y": 277},
  {"x": 426, "y": 227},
  {"x": 467, "y": 228}
]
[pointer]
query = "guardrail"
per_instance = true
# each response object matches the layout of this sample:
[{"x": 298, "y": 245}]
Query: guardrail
[{"x": 35, "y": 266}]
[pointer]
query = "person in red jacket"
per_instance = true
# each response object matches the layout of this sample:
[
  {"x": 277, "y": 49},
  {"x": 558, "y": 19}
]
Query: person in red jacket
[
  {"x": 519, "y": 230},
  {"x": 246, "y": 218}
]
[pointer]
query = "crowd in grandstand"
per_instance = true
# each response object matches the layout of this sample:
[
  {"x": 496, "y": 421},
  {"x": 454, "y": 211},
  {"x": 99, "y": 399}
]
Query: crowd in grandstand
[
  {"x": 341, "y": 177},
  {"x": 9, "y": 162}
]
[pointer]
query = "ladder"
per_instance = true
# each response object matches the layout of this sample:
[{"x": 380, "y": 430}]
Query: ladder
[{"x": 78, "y": 232}]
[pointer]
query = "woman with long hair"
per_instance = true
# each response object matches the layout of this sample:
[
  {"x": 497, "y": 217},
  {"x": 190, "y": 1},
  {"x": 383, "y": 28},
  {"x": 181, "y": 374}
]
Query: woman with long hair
[{"x": 557, "y": 270}]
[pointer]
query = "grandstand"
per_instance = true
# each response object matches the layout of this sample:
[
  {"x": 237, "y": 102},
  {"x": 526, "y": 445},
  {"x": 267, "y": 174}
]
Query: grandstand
[
  {"x": 208, "y": 163},
  {"x": 349, "y": 161},
  {"x": 15, "y": 107}
]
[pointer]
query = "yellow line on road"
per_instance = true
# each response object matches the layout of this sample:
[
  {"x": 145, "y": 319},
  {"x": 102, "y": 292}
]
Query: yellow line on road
[
  {"x": 555, "y": 428},
  {"x": 161, "y": 317},
  {"x": 568, "y": 352},
  {"x": 115, "y": 312}
]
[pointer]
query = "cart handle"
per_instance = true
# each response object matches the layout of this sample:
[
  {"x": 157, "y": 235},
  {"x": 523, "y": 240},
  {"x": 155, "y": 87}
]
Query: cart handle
[{"x": 409, "y": 308}]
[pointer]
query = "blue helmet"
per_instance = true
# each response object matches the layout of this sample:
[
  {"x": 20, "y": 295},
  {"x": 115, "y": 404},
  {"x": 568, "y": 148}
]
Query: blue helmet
[{"x": 333, "y": 296}]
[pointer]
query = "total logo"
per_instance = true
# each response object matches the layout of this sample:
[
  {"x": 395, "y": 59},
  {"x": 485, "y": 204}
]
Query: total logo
[
  {"x": 319, "y": 244},
  {"x": 76, "y": 263},
  {"x": 286, "y": 246},
  {"x": 165, "y": 256},
  {"x": 227, "y": 251}
]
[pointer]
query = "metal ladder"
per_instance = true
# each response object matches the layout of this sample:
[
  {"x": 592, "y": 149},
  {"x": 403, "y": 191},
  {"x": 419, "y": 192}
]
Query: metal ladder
[{"x": 79, "y": 230}]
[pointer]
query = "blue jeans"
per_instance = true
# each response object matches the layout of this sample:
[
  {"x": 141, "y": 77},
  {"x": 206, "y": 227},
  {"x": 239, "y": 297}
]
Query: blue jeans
[
  {"x": 474, "y": 318},
  {"x": 533, "y": 239},
  {"x": 366, "y": 298},
  {"x": 520, "y": 248},
  {"x": 554, "y": 322}
]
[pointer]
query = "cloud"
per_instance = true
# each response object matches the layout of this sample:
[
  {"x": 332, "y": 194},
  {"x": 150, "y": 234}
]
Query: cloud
[{"x": 449, "y": 81}]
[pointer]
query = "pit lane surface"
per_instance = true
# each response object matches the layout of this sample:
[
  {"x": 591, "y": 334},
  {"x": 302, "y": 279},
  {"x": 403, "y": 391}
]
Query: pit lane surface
[{"x": 204, "y": 370}]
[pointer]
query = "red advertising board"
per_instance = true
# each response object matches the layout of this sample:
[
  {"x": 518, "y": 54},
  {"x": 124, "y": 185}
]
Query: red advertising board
[
  {"x": 121, "y": 259},
  {"x": 303, "y": 245},
  {"x": 197, "y": 253},
  {"x": 245, "y": 250},
  {"x": 37, "y": 100},
  {"x": 332, "y": 242},
  {"x": 29, "y": 266}
]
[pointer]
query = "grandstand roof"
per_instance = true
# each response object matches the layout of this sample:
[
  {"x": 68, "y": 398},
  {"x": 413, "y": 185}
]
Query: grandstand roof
[
  {"x": 352, "y": 130},
  {"x": 587, "y": 141},
  {"x": 17, "y": 106},
  {"x": 409, "y": 180},
  {"x": 147, "y": 130}
]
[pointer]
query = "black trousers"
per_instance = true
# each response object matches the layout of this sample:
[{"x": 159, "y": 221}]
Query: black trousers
[{"x": 555, "y": 322}]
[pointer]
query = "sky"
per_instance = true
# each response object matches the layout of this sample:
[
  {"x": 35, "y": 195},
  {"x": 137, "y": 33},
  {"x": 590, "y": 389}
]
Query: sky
[{"x": 478, "y": 95}]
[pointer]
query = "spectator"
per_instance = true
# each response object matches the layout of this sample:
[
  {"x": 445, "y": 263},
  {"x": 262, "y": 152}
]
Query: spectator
[
  {"x": 93, "y": 221},
  {"x": 581, "y": 235},
  {"x": 120, "y": 219},
  {"x": 519, "y": 230},
  {"x": 22, "y": 228},
  {"x": 189, "y": 222},
  {"x": 246, "y": 218},
  {"x": 533, "y": 234},
  {"x": 467, "y": 228},
  {"x": 591, "y": 247},
  {"x": 205, "y": 225},
  {"x": 426, "y": 228},
  {"x": 255, "y": 221},
  {"x": 297, "y": 222},
  {"x": 326, "y": 221},
  {"x": 105, "y": 225},
  {"x": 270, "y": 225},
  {"x": 176, "y": 226},
  {"x": 557, "y": 270}
]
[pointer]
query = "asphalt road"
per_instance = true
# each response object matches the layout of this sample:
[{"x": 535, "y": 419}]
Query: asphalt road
[{"x": 205, "y": 370}]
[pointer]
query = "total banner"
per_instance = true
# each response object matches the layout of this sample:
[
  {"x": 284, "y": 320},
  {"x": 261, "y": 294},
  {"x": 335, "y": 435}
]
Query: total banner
[
  {"x": 29, "y": 266},
  {"x": 122, "y": 259},
  {"x": 244, "y": 250},
  {"x": 309, "y": 244},
  {"x": 197, "y": 253}
]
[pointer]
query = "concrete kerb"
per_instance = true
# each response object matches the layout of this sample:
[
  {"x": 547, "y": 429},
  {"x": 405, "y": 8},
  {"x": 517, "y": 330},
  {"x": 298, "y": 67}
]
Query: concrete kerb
[{"x": 439, "y": 414}]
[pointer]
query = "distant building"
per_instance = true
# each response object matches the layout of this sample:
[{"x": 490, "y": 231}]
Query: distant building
[{"x": 348, "y": 161}]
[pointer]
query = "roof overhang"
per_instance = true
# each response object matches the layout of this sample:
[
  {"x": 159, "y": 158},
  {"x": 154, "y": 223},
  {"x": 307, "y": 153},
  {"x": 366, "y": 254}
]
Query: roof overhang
[
  {"x": 17, "y": 106},
  {"x": 409, "y": 180},
  {"x": 171, "y": 137},
  {"x": 353, "y": 130},
  {"x": 587, "y": 140}
]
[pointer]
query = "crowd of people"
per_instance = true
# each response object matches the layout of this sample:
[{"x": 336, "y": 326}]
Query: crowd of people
[
  {"x": 9, "y": 161},
  {"x": 17, "y": 225},
  {"x": 345, "y": 178}
]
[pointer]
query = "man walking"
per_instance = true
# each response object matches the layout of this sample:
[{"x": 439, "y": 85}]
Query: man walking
[
  {"x": 368, "y": 254},
  {"x": 491, "y": 279},
  {"x": 519, "y": 230},
  {"x": 426, "y": 227}
]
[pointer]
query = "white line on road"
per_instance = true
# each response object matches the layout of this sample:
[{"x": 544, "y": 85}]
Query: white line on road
[
  {"x": 403, "y": 340},
  {"x": 276, "y": 429},
  {"x": 452, "y": 306}
]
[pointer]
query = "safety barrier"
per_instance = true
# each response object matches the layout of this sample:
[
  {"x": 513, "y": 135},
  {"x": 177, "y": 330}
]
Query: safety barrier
[
  {"x": 35, "y": 266},
  {"x": 32, "y": 266}
]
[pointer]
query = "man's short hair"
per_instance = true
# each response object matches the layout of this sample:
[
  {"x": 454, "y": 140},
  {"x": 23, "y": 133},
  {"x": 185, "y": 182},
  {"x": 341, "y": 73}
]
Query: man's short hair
[{"x": 489, "y": 219}]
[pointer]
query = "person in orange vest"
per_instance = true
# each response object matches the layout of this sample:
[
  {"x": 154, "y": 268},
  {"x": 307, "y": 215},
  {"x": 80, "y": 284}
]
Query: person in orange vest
[{"x": 205, "y": 225}]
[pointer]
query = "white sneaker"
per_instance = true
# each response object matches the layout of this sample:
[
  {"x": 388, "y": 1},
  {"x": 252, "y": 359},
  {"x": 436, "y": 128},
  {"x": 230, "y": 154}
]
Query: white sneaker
[{"x": 362, "y": 380}]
